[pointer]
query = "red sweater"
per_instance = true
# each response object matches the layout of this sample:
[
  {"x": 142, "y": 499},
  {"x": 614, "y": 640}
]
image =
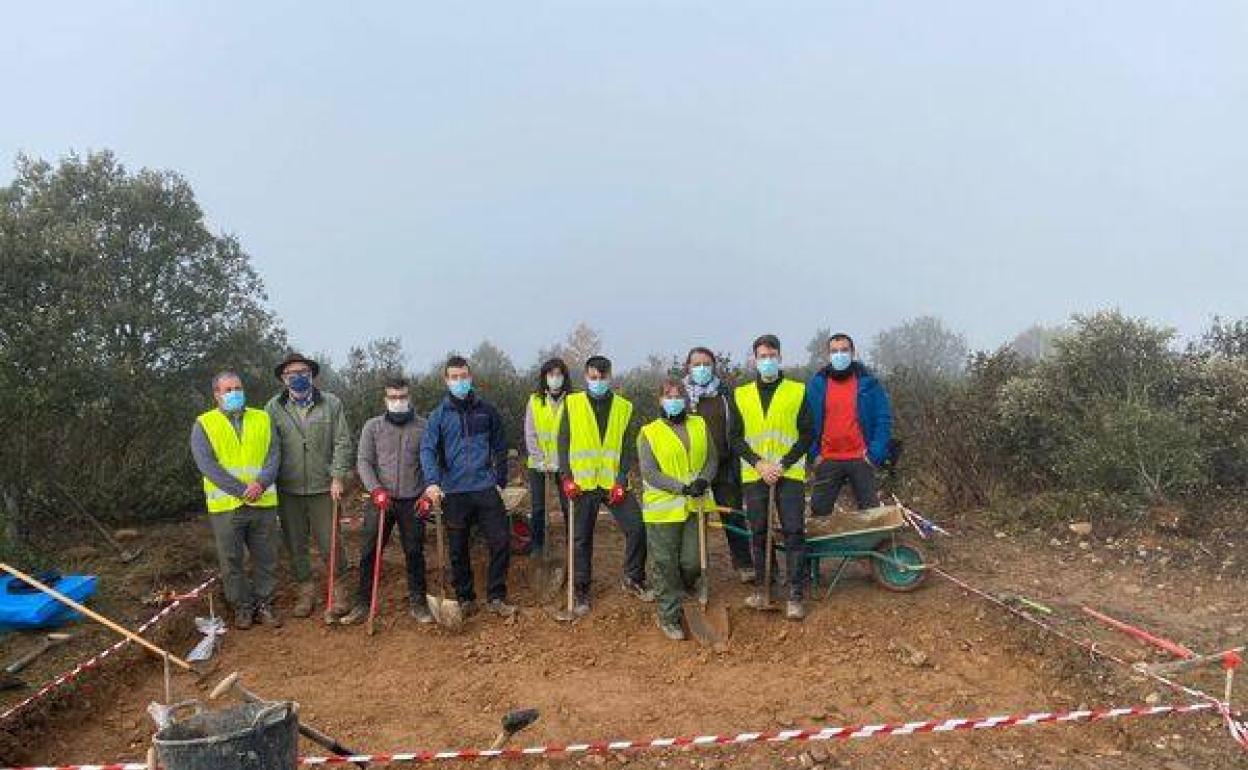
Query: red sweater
[{"x": 842, "y": 436}]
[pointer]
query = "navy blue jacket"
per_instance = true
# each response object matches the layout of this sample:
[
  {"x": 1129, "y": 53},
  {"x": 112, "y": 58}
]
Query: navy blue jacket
[
  {"x": 463, "y": 448},
  {"x": 875, "y": 414}
]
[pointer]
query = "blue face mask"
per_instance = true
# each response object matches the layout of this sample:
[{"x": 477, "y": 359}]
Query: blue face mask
[
  {"x": 701, "y": 374},
  {"x": 460, "y": 388},
  {"x": 768, "y": 368},
  {"x": 841, "y": 360},
  {"x": 299, "y": 383},
  {"x": 673, "y": 406},
  {"x": 598, "y": 388},
  {"x": 234, "y": 401}
]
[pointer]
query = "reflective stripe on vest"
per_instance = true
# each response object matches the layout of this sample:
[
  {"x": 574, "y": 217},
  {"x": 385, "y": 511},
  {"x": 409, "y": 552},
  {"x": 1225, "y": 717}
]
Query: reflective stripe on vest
[
  {"x": 659, "y": 506},
  {"x": 593, "y": 457},
  {"x": 241, "y": 458},
  {"x": 773, "y": 434},
  {"x": 546, "y": 417}
]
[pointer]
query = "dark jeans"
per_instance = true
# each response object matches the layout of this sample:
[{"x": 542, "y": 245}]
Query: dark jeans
[
  {"x": 628, "y": 515},
  {"x": 727, "y": 491},
  {"x": 537, "y": 505},
  {"x": 791, "y": 502},
  {"x": 830, "y": 478},
  {"x": 412, "y": 537},
  {"x": 462, "y": 510}
]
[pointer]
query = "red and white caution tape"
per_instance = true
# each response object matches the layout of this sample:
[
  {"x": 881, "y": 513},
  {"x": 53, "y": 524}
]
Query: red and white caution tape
[
  {"x": 99, "y": 657},
  {"x": 767, "y": 736},
  {"x": 1237, "y": 729}
]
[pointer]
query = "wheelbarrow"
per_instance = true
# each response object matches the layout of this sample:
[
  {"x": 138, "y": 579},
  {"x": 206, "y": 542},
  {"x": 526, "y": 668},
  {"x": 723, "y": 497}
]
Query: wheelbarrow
[{"x": 876, "y": 536}]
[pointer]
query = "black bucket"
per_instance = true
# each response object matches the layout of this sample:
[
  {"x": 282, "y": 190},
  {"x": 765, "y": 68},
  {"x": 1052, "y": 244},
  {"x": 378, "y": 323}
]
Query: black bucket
[{"x": 253, "y": 736}]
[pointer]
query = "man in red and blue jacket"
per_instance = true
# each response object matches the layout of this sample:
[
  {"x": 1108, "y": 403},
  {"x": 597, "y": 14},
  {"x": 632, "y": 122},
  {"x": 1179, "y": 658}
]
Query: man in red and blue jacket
[{"x": 853, "y": 428}]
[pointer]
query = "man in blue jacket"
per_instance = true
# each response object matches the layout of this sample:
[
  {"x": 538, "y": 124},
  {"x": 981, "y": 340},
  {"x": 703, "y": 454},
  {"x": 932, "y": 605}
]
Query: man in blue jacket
[
  {"x": 853, "y": 428},
  {"x": 464, "y": 457}
]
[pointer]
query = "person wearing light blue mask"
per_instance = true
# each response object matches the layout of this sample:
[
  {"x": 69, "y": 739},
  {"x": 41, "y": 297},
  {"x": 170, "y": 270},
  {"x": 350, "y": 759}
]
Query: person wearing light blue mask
[
  {"x": 237, "y": 452},
  {"x": 316, "y": 463},
  {"x": 541, "y": 442},
  {"x": 595, "y": 454},
  {"x": 709, "y": 399},
  {"x": 463, "y": 454},
  {"x": 677, "y": 459},
  {"x": 853, "y": 428},
  {"x": 771, "y": 430}
]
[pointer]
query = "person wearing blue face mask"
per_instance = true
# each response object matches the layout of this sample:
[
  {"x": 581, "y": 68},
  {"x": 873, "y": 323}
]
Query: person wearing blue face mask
[
  {"x": 677, "y": 459},
  {"x": 463, "y": 454},
  {"x": 708, "y": 398},
  {"x": 595, "y": 454},
  {"x": 237, "y": 452},
  {"x": 853, "y": 428},
  {"x": 316, "y": 462},
  {"x": 771, "y": 430}
]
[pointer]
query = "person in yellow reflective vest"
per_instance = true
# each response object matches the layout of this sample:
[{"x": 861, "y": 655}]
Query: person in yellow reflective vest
[
  {"x": 541, "y": 442},
  {"x": 771, "y": 430},
  {"x": 595, "y": 454},
  {"x": 237, "y": 453},
  {"x": 678, "y": 461}
]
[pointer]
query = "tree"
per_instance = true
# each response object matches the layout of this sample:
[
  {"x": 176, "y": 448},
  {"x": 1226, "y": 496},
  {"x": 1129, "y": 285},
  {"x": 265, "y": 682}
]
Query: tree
[
  {"x": 923, "y": 345},
  {"x": 1036, "y": 341},
  {"x": 119, "y": 306},
  {"x": 581, "y": 343}
]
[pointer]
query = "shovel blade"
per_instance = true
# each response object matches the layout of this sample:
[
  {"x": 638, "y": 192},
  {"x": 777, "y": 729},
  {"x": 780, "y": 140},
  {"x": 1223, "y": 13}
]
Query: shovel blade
[
  {"x": 446, "y": 612},
  {"x": 709, "y": 625}
]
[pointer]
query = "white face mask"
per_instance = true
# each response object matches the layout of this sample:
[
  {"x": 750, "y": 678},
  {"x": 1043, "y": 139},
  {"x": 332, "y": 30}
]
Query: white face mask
[
  {"x": 398, "y": 405},
  {"x": 554, "y": 382}
]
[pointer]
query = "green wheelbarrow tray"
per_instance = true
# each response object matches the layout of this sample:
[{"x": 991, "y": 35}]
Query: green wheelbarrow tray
[{"x": 897, "y": 562}]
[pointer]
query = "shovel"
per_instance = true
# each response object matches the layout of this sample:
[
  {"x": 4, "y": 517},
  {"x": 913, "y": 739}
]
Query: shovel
[
  {"x": 708, "y": 623},
  {"x": 124, "y": 555},
  {"x": 769, "y": 604},
  {"x": 546, "y": 576},
  {"x": 447, "y": 612},
  {"x": 566, "y": 615}
]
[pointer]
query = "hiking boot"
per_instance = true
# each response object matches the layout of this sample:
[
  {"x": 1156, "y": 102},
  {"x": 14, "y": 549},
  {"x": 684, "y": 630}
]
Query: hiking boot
[
  {"x": 580, "y": 607},
  {"x": 355, "y": 615},
  {"x": 501, "y": 608},
  {"x": 305, "y": 600},
  {"x": 637, "y": 589},
  {"x": 757, "y": 601},
  {"x": 795, "y": 610},
  {"x": 671, "y": 630},
  {"x": 419, "y": 611},
  {"x": 243, "y": 618},
  {"x": 268, "y": 616},
  {"x": 747, "y": 575},
  {"x": 469, "y": 608},
  {"x": 342, "y": 599}
]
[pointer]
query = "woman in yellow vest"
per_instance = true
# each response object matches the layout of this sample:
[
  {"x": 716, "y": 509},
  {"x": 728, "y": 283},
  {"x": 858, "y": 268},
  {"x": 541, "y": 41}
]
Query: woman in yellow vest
[
  {"x": 771, "y": 430},
  {"x": 678, "y": 462},
  {"x": 237, "y": 453},
  {"x": 541, "y": 440}
]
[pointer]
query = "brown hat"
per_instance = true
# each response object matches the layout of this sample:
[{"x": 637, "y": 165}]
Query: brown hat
[{"x": 296, "y": 358}]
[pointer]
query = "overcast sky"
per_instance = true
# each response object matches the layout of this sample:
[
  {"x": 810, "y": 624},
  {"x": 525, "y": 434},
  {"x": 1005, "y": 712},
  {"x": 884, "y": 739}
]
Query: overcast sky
[{"x": 673, "y": 172}]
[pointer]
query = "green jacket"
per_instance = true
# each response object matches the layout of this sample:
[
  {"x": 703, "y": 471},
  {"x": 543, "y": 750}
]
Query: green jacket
[{"x": 313, "y": 450}]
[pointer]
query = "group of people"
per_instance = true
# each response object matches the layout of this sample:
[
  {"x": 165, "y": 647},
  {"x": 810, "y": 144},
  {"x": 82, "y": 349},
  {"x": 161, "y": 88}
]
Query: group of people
[{"x": 749, "y": 448}]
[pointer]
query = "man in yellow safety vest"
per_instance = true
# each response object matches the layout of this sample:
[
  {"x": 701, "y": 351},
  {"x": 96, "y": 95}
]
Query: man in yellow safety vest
[
  {"x": 236, "y": 451},
  {"x": 771, "y": 431},
  {"x": 594, "y": 458}
]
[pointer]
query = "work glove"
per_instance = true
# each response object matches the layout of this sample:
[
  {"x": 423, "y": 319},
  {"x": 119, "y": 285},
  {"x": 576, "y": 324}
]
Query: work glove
[
  {"x": 616, "y": 495},
  {"x": 381, "y": 498},
  {"x": 571, "y": 489},
  {"x": 696, "y": 488},
  {"x": 423, "y": 507}
]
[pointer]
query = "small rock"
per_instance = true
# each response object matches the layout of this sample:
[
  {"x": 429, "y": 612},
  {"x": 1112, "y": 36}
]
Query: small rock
[
  {"x": 1081, "y": 528},
  {"x": 1001, "y": 536},
  {"x": 1152, "y": 698},
  {"x": 123, "y": 535}
]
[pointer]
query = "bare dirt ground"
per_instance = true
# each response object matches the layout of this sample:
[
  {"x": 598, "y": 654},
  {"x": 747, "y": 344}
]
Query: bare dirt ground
[{"x": 864, "y": 655}]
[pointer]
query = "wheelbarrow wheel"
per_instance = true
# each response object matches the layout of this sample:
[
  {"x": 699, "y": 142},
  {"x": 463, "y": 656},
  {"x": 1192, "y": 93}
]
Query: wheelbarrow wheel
[{"x": 902, "y": 567}]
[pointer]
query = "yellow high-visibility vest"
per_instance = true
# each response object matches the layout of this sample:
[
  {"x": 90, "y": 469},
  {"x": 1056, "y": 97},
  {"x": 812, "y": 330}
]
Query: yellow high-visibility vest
[
  {"x": 593, "y": 457},
  {"x": 660, "y": 506},
  {"x": 773, "y": 434},
  {"x": 546, "y": 416},
  {"x": 242, "y": 458}
]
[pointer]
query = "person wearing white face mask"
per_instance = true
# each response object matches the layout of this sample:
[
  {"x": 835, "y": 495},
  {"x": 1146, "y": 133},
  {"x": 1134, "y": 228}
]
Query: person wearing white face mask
[
  {"x": 389, "y": 468},
  {"x": 708, "y": 398},
  {"x": 541, "y": 434},
  {"x": 771, "y": 431}
]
